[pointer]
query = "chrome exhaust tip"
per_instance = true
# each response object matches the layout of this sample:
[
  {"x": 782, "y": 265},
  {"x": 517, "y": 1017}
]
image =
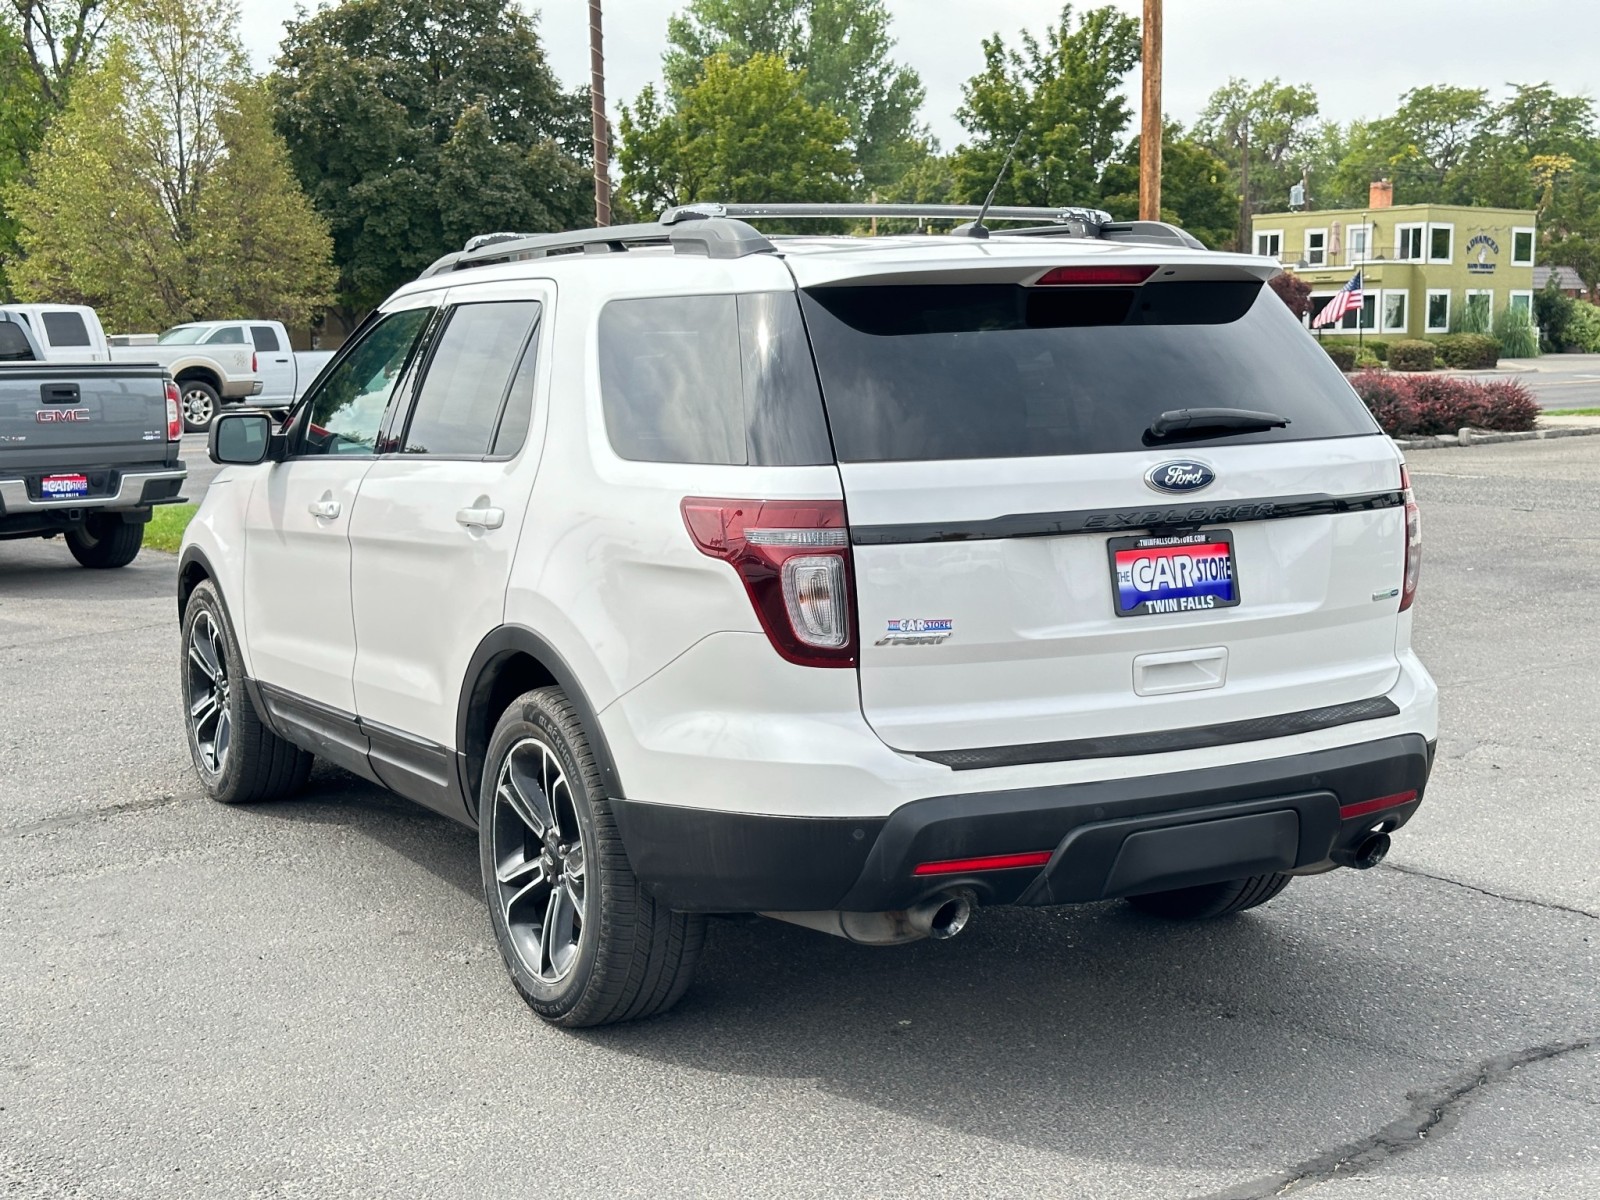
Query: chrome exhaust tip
[{"x": 943, "y": 917}]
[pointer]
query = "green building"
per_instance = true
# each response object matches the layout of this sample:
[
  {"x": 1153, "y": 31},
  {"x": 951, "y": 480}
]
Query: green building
[{"x": 1423, "y": 265}]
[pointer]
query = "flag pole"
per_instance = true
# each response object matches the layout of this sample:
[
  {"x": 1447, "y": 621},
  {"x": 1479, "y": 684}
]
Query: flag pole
[{"x": 1361, "y": 270}]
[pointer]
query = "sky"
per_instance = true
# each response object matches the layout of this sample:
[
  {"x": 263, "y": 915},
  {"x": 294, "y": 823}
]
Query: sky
[{"x": 1359, "y": 55}]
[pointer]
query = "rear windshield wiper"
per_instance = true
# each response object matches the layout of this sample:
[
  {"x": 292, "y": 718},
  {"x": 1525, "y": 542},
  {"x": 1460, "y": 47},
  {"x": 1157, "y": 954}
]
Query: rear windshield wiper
[{"x": 1222, "y": 420}]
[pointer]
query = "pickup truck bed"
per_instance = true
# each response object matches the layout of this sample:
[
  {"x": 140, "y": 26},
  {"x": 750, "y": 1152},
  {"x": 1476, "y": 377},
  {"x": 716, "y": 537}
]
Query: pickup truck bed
[{"x": 86, "y": 451}]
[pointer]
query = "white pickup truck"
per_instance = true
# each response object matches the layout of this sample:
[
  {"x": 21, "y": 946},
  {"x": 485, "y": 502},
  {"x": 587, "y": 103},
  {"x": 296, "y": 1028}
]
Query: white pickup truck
[{"x": 220, "y": 362}]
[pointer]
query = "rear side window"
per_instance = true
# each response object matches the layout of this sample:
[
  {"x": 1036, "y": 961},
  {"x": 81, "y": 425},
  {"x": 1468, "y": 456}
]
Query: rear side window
[
  {"x": 228, "y": 335},
  {"x": 464, "y": 391},
  {"x": 1004, "y": 371},
  {"x": 14, "y": 343},
  {"x": 65, "y": 328},
  {"x": 711, "y": 379},
  {"x": 265, "y": 338}
]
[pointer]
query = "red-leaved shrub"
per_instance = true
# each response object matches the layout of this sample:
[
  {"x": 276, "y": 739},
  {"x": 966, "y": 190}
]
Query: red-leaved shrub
[{"x": 1421, "y": 405}]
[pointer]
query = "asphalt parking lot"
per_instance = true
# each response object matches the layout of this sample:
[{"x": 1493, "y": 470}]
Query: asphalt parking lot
[{"x": 303, "y": 999}]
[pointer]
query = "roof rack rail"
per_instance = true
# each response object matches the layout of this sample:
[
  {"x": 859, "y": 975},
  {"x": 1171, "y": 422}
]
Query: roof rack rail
[
  {"x": 1086, "y": 220},
  {"x": 712, "y": 239}
]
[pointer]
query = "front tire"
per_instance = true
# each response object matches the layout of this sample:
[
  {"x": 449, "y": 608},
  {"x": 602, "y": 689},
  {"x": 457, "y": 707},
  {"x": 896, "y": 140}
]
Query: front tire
[
  {"x": 199, "y": 404},
  {"x": 105, "y": 541},
  {"x": 237, "y": 758},
  {"x": 584, "y": 943},
  {"x": 1211, "y": 899}
]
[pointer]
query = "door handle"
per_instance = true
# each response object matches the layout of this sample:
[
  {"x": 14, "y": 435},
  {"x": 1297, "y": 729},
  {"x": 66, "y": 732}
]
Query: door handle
[
  {"x": 326, "y": 508},
  {"x": 481, "y": 516}
]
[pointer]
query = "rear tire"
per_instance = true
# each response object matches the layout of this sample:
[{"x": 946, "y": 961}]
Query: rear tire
[
  {"x": 238, "y": 759},
  {"x": 1211, "y": 899},
  {"x": 104, "y": 541},
  {"x": 583, "y": 941},
  {"x": 199, "y": 404}
]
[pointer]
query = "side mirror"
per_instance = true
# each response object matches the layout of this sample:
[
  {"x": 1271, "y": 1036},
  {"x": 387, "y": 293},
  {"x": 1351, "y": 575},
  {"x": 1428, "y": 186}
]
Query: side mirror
[{"x": 242, "y": 439}]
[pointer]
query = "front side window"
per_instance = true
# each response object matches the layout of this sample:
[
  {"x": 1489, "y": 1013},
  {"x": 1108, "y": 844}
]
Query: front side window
[
  {"x": 65, "y": 329},
  {"x": 711, "y": 379},
  {"x": 463, "y": 393},
  {"x": 343, "y": 415},
  {"x": 228, "y": 335}
]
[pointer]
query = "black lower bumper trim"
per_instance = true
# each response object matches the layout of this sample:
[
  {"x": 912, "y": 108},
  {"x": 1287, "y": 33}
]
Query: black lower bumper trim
[
  {"x": 1165, "y": 741},
  {"x": 1109, "y": 838}
]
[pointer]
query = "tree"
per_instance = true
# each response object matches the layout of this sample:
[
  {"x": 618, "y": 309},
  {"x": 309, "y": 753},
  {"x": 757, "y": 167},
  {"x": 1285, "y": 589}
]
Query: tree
[
  {"x": 161, "y": 194},
  {"x": 59, "y": 39},
  {"x": 1196, "y": 191},
  {"x": 1582, "y": 254},
  {"x": 1264, "y": 134},
  {"x": 842, "y": 50},
  {"x": 1059, "y": 101},
  {"x": 741, "y": 132},
  {"x": 1293, "y": 291},
  {"x": 414, "y": 126},
  {"x": 1424, "y": 147}
]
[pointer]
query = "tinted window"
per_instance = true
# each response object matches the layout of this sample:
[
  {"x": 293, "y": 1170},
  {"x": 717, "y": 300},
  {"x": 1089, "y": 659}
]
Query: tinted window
[
  {"x": 1003, "y": 371},
  {"x": 458, "y": 405},
  {"x": 519, "y": 404},
  {"x": 65, "y": 328},
  {"x": 344, "y": 413},
  {"x": 228, "y": 335},
  {"x": 14, "y": 343},
  {"x": 264, "y": 336},
  {"x": 181, "y": 335},
  {"x": 711, "y": 379}
]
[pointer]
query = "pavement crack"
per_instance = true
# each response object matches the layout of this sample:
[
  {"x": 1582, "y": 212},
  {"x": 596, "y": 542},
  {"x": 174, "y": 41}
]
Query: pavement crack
[
  {"x": 1432, "y": 1112},
  {"x": 1529, "y": 900},
  {"x": 93, "y": 814}
]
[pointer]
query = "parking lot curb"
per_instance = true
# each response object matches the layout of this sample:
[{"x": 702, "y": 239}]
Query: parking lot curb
[{"x": 1479, "y": 437}]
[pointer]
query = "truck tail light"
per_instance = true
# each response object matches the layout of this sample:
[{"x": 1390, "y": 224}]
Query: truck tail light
[
  {"x": 794, "y": 559},
  {"x": 254, "y": 367},
  {"x": 1408, "y": 586},
  {"x": 174, "y": 412}
]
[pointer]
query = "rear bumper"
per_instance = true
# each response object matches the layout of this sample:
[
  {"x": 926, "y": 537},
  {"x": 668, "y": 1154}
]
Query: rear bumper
[
  {"x": 1106, "y": 838},
  {"x": 241, "y": 389},
  {"x": 129, "y": 489}
]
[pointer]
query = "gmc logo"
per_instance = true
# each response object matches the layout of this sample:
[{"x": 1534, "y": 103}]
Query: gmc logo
[{"x": 50, "y": 416}]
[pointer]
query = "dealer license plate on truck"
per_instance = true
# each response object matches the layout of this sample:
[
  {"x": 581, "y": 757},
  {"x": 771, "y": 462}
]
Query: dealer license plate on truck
[
  {"x": 64, "y": 487},
  {"x": 1187, "y": 573}
]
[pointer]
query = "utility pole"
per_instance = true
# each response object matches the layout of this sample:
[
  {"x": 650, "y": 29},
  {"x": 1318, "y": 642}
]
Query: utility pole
[
  {"x": 597, "y": 114},
  {"x": 1150, "y": 126},
  {"x": 1245, "y": 245}
]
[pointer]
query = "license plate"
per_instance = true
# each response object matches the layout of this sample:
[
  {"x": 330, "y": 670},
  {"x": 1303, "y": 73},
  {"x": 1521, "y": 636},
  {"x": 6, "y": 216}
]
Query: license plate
[
  {"x": 64, "y": 487},
  {"x": 1191, "y": 573}
]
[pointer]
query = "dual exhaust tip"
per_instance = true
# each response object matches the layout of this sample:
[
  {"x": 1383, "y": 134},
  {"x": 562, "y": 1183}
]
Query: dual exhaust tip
[{"x": 940, "y": 917}]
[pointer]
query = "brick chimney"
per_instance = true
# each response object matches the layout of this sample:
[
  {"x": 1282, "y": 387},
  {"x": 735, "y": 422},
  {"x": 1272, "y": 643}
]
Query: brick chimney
[{"x": 1381, "y": 194}]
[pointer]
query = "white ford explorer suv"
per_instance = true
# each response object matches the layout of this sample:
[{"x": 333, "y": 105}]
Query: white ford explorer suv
[{"x": 856, "y": 582}]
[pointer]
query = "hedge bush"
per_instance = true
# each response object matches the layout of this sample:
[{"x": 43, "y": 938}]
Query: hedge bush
[
  {"x": 1421, "y": 405},
  {"x": 1413, "y": 355},
  {"x": 1366, "y": 359},
  {"x": 1468, "y": 351},
  {"x": 1343, "y": 355},
  {"x": 1379, "y": 348}
]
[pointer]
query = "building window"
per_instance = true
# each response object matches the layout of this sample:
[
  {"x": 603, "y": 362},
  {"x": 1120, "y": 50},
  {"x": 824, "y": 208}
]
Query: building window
[
  {"x": 1408, "y": 242},
  {"x": 1522, "y": 303},
  {"x": 1477, "y": 316},
  {"x": 1358, "y": 244},
  {"x": 1438, "y": 310},
  {"x": 1394, "y": 312},
  {"x": 1366, "y": 318},
  {"x": 1269, "y": 243},
  {"x": 1441, "y": 243},
  {"x": 1316, "y": 247},
  {"x": 1522, "y": 247}
]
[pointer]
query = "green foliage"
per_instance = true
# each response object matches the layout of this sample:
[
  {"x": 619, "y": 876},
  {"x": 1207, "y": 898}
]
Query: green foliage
[
  {"x": 1582, "y": 254},
  {"x": 1272, "y": 122},
  {"x": 1195, "y": 191},
  {"x": 1411, "y": 355},
  {"x": 1471, "y": 316},
  {"x": 1366, "y": 360},
  {"x": 842, "y": 50},
  {"x": 1553, "y": 312},
  {"x": 741, "y": 132},
  {"x": 1060, "y": 100},
  {"x": 1468, "y": 351},
  {"x": 1514, "y": 330},
  {"x": 1378, "y": 347},
  {"x": 1342, "y": 353},
  {"x": 1424, "y": 147},
  {"x": 414, "y": 126},
  {"x": 157, "y": 204},
  {"x": 1583, "y": 330}
]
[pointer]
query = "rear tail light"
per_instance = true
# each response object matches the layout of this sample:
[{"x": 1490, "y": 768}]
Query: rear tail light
[
  {"x": 1408, "y": 586},
  {"x": 253, "y": 366},
  {"x": 794, "y": 559},
  {"x": 174, "y": 413},
  {"x": 1108, "y": 275}
]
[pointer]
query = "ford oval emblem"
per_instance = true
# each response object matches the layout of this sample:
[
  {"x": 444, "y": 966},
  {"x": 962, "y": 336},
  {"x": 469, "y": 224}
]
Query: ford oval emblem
[{"x": 1183, "y": 475}]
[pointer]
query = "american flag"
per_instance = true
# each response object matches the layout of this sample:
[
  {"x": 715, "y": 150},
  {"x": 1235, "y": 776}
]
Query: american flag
[{"x": 1346, "y": 298}]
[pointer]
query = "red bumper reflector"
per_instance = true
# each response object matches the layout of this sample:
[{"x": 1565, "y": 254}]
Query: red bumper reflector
[
  {"x": 989, "y": 862},
  {"x": 1347, "y": 811}
]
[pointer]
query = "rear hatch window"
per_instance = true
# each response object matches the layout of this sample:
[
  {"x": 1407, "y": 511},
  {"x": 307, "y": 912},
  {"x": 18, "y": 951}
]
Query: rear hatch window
[{"x": 958, "y": 371}]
